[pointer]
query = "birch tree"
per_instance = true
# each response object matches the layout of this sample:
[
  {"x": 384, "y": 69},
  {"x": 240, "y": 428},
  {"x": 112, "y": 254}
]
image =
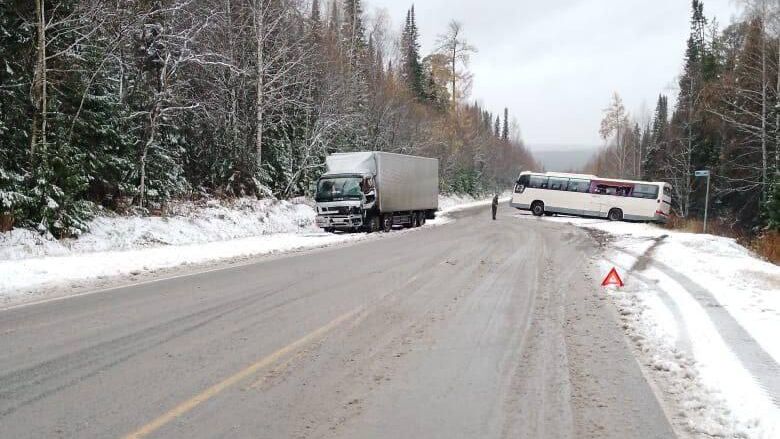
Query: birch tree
[
  {"x": 614, "y": 124},
  {"x": 458, "y": 51}
]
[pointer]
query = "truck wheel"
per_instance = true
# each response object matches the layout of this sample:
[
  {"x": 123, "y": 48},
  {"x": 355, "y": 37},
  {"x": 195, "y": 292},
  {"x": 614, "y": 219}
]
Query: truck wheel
[
  {"x": 412, "y": 221},
  {"x": 537, "y": 208},
  {"x": 615, "y": 215},
  {"x": 374, "y": 224},
  {"x": 422, "y": 218},
  {"x": 387, "y": 222}
]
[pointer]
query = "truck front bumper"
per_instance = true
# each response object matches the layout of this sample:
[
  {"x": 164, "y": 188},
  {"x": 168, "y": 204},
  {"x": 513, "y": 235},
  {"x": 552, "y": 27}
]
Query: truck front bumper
[{"x": 339, "y": 221}]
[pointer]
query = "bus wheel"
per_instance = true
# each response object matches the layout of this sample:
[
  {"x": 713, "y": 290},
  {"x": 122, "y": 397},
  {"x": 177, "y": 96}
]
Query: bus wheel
[
  {"x": 615, "y": 215},
  {"x": 537, "y": 208}
]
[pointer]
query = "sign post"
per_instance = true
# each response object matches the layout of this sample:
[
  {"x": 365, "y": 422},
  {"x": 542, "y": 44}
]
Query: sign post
[{"x": 705, "y": 173}]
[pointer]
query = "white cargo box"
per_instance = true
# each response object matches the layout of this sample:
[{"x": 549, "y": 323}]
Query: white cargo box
[{"x": 404, "y": 183}]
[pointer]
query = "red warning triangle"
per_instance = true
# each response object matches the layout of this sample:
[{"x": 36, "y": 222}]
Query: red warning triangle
[{"x": 613, "y": 278}]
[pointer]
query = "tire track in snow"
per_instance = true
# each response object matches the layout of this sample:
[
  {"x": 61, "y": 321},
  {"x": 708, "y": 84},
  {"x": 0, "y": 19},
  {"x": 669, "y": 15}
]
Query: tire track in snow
[{"x": 763, "y": 368}]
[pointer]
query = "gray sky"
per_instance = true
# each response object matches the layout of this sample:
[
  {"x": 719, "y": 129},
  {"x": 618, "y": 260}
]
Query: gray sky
[{"x": 556, "y": 63}]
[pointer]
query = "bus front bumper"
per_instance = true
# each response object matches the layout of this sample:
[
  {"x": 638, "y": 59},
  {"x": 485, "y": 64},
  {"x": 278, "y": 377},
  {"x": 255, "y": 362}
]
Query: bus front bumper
[
  {"x": 661, "y": 217},
  {"x": 520, "y": 206}
]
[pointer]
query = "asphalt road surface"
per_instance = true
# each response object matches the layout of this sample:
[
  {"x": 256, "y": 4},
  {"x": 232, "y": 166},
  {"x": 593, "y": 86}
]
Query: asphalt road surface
[{"x": 475, "y": 329}]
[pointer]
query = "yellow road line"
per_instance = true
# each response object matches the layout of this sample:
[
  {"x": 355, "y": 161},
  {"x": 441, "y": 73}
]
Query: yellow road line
[{"x": 216, "y": 389}]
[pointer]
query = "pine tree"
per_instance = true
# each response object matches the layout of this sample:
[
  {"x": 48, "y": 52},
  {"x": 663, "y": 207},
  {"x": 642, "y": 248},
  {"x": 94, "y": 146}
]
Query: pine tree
[
  {"x": 412, "y": 71},
  {"x": 634, "y": 152},
  {"x": 505, "y": 130},
  {"x": 15, "y": 75},
  {"x": 699, "y": 149},
  {"x": 746, "y": 101},
  {"x": 497, "y": 128},
  {"x": 644, "y": 147},
  {"x": 334, "y": 22},
  {"x": 354, "y": 47},
  {"x": 353, "y": 35},
  {"x": 772, "y": 206},
  {"x": 657, "y": 145}
]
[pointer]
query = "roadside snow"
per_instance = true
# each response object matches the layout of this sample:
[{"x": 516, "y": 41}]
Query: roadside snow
[
  {"x": 125, "y": 247},
  {"x": 705, "y": 312},
  {"x": 186, "y": 224},
  {"x": 454, "y": 203}
]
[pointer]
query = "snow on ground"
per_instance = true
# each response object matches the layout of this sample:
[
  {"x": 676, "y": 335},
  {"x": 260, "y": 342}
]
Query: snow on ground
[
  {"x": 185, "y": 224},
  {"x": 705, "y": 312},
  {"x": 126, "y": 246},
  {"x": 454, "y": 203}
]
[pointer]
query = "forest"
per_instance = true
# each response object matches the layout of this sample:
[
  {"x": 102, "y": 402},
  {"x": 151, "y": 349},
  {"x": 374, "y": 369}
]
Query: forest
[
  {"x": 127, "y": 105},
  {"x": 726, "y": 120}
]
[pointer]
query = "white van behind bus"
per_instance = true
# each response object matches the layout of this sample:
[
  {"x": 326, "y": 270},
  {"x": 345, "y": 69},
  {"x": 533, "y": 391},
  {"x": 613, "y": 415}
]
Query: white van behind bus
[{"x": 592, "y": 196}]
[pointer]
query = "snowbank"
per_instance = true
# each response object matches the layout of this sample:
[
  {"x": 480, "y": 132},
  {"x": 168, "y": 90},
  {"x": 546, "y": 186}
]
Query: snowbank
[
  {"x": 705, "y": 312},
  {"x": 185, "y": 224},
  {"x": 119, "y": 246}
]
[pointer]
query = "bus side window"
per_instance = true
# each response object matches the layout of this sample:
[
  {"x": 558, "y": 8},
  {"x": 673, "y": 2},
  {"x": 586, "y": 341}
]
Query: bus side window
[
  {"x": 648, "y": 191},
  {"x": 524, "y": 180},
  {"x": 538, "y": 182},
  {"x": 581, "y": 186},
  {"x": 558, "y": 184}
]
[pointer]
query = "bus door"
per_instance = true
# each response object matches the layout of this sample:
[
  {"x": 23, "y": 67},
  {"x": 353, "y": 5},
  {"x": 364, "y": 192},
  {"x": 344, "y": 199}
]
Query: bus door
[
  {"x": 593, "y": 201},
  {"x": 665, "y": 198}
]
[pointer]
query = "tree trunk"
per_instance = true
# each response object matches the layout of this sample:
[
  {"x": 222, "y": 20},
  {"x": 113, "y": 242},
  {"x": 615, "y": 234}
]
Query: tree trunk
[
  {"x": 154, "y": 116},
  {"x": 685, "y": 207},
  {"x": 777, "y": 117},
  {"x": 764, "y": 86},
  {"x": 144, "y": 153},
  {"x": 454, "y": 66},
  {"x": 259, "y": 30},
  {"x": 41, "y": 81}
]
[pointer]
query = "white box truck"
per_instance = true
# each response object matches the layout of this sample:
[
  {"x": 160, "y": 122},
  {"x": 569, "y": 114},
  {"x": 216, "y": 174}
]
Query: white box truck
[{"x": 375, "y": 191}]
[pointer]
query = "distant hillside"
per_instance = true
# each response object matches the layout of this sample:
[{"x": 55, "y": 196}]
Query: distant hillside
[{"x": 563, "y": 158}]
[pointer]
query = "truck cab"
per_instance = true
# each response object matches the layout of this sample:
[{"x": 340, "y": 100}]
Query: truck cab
[{"x": 343, "y": 201}]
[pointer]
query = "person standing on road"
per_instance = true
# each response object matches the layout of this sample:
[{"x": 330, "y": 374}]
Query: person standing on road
[{"x": 495, "y": 206}]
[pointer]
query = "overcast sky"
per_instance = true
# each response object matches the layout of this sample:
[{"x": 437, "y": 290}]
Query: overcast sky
[{"x": 555, "y": 63}]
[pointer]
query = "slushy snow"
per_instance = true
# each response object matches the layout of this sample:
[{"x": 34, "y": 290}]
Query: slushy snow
[{"x": 705, "y": 313}]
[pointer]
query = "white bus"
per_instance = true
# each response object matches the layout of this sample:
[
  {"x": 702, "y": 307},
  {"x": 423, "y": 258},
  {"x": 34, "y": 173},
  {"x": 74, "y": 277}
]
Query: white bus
[{"x": 591, "y": 196}]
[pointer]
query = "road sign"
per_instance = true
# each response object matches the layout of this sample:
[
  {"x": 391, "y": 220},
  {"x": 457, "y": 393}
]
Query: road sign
[
  {"x": 613, "y": 278},
  {"x": 705, "y": 173}
]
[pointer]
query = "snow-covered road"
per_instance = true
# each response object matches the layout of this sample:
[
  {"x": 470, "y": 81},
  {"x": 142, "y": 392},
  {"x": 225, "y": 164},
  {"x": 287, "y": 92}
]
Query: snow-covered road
[{"x": 704, "y": 313}]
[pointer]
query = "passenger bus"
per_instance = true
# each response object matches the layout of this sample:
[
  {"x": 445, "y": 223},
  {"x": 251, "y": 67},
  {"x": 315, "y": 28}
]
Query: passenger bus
[{"x": 591, "y": 196}]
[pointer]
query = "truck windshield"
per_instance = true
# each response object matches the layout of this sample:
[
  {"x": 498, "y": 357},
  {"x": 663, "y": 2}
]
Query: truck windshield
[{"x": 339, "y": 188}]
